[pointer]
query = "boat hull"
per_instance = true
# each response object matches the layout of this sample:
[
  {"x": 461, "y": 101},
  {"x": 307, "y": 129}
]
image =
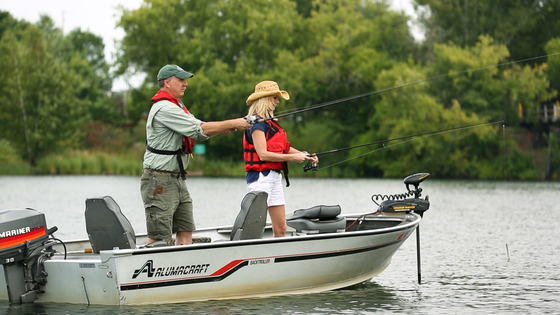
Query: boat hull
[{"x": 223, "y": 269}]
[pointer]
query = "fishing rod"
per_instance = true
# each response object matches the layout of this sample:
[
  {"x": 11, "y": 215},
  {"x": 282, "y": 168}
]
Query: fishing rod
[
  {"x": 254, "y": 119},
  {"x": 315, "y": 166}
]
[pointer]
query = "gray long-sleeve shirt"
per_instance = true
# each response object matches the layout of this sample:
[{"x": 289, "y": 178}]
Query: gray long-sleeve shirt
[{"x": 166, "y": 125}]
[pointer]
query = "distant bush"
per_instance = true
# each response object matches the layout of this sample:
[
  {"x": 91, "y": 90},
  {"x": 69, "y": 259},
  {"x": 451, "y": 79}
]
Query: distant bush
[
  {"x": 10, "y": 162},
  {"x": 89, "y": 163}
]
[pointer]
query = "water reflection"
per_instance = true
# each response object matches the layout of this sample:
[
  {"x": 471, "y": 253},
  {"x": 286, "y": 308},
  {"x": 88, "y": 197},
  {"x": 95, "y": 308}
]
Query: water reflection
[{"x": 364, "y": 298}]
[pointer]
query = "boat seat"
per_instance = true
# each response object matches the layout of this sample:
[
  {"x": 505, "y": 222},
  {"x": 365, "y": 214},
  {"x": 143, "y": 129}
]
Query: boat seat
[
  {"x": 318, "y": 219},
  {"x": 251, "y": 219},
  {"x": 106, "y": 225}
]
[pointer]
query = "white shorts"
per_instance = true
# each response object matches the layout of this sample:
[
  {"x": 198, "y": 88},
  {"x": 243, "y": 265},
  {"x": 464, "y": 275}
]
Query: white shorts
[{"x": 272, "y": 185}]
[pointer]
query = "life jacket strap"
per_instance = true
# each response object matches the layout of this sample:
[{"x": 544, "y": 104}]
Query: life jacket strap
[{"x": 177, "y": 153}]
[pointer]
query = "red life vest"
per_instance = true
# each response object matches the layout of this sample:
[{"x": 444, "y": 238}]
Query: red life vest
[
  {"x": 275, "y": 142},
  {"x": 163, "y": 95}
]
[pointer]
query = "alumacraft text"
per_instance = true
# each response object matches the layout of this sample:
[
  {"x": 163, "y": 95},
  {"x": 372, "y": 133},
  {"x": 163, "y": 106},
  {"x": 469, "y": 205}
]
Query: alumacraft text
[{"x": 151, "y": 271}]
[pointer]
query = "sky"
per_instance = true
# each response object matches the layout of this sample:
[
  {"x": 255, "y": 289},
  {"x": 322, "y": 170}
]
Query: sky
[{"x": 100, "y": 18}]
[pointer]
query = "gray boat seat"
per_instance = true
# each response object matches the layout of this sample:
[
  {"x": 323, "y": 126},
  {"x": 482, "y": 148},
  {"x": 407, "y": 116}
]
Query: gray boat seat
[
  {"x": 106, "y": 225},
  {"x": 251, "y": 219},
  {"x": 318, "y": 219}
]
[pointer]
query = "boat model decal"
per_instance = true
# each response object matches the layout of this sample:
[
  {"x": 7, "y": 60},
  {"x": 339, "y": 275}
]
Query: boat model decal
[
  {"x": 219, "y": 275},
  {"x": 151, "y": 271},
  {"x": 235, "y": 265}
]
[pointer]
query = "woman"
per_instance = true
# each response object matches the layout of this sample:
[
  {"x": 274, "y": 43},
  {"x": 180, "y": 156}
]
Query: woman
[{"x": 267, "y": 152}]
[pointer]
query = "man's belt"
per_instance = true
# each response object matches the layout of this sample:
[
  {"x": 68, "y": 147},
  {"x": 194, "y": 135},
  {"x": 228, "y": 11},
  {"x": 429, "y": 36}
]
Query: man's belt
[{"x": 151, "y": 171}]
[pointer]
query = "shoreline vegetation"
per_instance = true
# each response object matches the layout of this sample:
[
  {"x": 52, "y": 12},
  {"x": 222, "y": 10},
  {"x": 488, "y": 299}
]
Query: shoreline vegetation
[
  {"x": 104, "y": 163},
  {"x": 101, "y": 163},
  {"x": 121, "y": 153}
]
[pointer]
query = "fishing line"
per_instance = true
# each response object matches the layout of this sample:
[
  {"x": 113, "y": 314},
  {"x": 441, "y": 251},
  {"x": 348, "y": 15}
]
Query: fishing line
[
  {"x": 405, "y": 139},
  {"x": 371, "y": 152},
  {"x": 429, "y": 133},
  {"x": 329, "y": 103}
]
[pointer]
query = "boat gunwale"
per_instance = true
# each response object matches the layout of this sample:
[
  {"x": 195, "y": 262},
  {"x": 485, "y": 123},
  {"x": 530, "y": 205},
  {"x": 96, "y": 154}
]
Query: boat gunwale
[
  {"x": 408, "y": 220},
  {"x": 296, "y": 238}
]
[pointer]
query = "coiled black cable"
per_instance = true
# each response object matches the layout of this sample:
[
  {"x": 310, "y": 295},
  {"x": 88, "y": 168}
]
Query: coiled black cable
[{"x": 381, "y": 197}]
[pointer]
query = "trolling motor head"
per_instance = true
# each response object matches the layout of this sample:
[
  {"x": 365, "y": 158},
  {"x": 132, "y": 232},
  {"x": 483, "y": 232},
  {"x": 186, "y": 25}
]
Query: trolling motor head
[{"x": 415, "y": 180}]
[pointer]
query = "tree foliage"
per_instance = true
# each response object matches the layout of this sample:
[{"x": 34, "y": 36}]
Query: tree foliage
[
  {"x": 523, "y": 26},
  {"x": 335, "y": 49},
  {"x": 354, "y": 62},
  {"x": 50, "y": 87}
]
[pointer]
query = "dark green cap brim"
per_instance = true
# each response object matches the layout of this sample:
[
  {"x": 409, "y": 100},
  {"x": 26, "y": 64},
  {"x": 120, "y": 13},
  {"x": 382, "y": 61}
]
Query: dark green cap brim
[{"x": 168, "y": 71}]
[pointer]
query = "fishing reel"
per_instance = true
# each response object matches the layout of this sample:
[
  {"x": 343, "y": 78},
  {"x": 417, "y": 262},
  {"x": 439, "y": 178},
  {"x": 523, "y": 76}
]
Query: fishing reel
[
  {"x": 310, "y": 165},
  {"x": 252, "y": 119}
]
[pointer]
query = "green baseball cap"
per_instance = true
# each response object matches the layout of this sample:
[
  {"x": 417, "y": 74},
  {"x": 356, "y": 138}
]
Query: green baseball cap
[{"x": 168, "y": 71}]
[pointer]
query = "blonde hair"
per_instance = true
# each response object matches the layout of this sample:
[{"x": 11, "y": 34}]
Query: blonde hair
[{"x": 263, "y": 107}]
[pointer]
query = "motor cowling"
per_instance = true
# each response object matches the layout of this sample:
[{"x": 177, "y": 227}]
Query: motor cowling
[{"x": 23, "y": 236}]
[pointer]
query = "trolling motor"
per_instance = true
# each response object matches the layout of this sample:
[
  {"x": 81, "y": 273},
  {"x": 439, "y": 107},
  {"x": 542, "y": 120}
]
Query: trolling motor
[
  {"x": 401, "y": 202},
  {"x": 24, "y": 246}
]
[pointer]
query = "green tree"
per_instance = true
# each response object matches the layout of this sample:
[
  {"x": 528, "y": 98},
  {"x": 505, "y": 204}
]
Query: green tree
[
  {"x": 411, "y": 111},
  {"x": 317, "y": 50},
  {"x": 37, "y": 90},
  {"x": 84, "y": 54},
  {"x": 553, "y": 72},
  {"x": 524, "y": 26},
  {"x": 474, "y": 78}
]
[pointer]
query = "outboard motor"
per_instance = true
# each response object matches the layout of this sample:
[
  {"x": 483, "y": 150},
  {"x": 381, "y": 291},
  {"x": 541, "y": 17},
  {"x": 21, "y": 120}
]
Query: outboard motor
[
  {"x": 400, "y": 202},
  {"x": 24, "y": 244}
]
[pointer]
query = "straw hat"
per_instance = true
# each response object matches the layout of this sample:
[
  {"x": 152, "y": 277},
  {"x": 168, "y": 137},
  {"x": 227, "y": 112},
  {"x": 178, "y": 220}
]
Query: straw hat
[{"x": 267, "y": 88}]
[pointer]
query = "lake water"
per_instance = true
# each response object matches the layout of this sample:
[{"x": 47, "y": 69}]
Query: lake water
[{"x": 488, "y": 247}]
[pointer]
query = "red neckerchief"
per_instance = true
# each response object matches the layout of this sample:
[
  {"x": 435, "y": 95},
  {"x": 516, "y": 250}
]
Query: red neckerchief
[{"x": 163, "y": 95}]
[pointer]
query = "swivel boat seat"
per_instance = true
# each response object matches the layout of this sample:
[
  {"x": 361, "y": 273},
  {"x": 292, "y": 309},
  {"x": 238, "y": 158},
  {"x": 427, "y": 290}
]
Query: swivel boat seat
[
  {"x": 106, "y": 225},
  {"x": 318, "y": 219},
  {"x": 251, "y": 219}
]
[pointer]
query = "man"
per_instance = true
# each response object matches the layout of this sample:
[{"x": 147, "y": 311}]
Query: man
[{"x": 170, "y": 133}]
